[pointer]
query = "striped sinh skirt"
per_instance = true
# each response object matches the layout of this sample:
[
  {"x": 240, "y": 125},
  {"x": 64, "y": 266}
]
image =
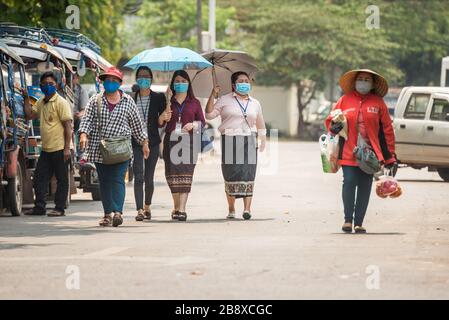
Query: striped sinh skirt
[
  {"x": 179, "y": 166},
  {"x": 239, "y": 164}
]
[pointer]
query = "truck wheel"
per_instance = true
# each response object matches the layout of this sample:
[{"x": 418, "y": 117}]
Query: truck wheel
[
  {"x": 15, "y": 192},
  {"x": 444, "y": 174},
  {"x": 96, "y": 196}
]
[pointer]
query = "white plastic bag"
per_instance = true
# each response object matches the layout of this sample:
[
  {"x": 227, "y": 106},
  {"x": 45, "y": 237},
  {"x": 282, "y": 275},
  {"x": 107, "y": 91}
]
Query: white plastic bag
[{"x": 329, "y": 146}]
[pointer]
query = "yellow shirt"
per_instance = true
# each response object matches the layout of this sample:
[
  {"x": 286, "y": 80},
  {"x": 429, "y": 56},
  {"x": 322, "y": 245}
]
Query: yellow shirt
[{"x": 52, "y": 115}]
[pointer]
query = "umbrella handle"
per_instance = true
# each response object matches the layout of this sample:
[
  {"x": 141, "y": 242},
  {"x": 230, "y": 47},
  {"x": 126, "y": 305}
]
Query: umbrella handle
[{"x": 214, "y": 80}]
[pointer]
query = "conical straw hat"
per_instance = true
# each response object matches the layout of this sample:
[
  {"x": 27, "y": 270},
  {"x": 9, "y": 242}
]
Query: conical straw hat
[{"x": 347, "y": 82}]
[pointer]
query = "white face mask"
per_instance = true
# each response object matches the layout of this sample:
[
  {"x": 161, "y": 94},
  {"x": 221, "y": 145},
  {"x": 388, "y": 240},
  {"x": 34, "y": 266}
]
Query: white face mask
[{"x": 363, "y": 87}]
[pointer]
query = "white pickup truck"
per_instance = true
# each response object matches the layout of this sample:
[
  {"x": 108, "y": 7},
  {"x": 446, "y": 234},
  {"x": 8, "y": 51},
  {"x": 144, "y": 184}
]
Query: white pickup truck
[{"x": 421, "y": 123}]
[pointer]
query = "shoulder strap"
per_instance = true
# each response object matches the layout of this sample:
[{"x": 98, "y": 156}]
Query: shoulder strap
[{"x": 99, "y": 104}]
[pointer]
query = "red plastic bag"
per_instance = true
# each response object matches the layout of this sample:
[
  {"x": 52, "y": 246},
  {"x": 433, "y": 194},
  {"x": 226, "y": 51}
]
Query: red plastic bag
[{"x": 388, "y": 186}]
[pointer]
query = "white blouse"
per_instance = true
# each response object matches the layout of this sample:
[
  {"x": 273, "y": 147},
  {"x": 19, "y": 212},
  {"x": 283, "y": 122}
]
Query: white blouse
[{"x": 232, "y": 116}]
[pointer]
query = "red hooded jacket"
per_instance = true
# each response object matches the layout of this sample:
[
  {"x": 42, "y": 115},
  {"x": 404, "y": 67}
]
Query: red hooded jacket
[{"x": 378, "y": 125}]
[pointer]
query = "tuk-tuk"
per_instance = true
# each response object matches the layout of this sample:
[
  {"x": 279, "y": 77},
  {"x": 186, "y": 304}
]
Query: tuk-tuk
[
  {"x": 34, "y": 47},
  {"x": 85, "y": 55},
  {"x": 15, "y": 170}
]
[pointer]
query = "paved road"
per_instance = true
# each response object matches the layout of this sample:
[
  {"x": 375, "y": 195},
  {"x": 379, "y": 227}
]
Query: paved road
[{"x": 292, "y": 249}]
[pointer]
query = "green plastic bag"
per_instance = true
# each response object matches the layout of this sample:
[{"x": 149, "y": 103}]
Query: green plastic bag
[{"x": 330, "y": 147}]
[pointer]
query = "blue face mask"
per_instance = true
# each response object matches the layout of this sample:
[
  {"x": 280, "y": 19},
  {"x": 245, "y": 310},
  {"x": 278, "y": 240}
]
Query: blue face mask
[
  {"x": 48, "y": 89},
  {"x": 111, "y": 86},
  {"x": 243, "y": 88},
  {"x": 144, "y": 83},
  {"x": 181, "y": 87}
]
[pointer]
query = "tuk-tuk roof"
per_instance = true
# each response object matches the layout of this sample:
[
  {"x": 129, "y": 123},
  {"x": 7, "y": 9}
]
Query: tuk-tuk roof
[
  {"x": 10, "y": 52},
  {"x": 74, "y": 45},
  {"x": 25, "y": 40},
  {"x": 30, "y": 49}
]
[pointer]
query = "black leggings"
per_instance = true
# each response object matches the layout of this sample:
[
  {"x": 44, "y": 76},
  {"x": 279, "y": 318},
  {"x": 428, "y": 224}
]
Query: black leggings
[{"x": 144, "y": 173}]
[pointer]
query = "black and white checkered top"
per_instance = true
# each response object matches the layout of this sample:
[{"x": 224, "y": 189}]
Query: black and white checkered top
[{"x": 123, "y": 120}]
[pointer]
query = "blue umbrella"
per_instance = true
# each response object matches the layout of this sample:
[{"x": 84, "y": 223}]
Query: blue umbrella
[{"x": 169, "y": 59}]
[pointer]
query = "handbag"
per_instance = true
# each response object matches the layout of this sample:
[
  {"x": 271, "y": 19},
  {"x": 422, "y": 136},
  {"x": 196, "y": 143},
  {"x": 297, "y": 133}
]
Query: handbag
[
  {"x": 365, "y": 156},
  {"x": 115, "y": 149},
  {"x": 206, "y": 141}
]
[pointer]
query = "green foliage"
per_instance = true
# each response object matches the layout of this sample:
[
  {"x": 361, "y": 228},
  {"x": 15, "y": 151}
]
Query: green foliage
[
  {"x": 303, "y": 39},
  {"x": 173, "y": 22},
  {"x": 299, "y": 40}
]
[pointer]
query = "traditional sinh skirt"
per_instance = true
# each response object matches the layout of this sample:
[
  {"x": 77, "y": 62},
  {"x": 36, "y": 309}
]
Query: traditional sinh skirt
[
  {"x": 178, "y": 169},
  {"x": 239, "y": 164}
]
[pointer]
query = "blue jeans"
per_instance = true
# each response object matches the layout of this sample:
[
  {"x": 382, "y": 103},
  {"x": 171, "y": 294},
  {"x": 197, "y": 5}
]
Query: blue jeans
[
  {"x": 355, "y": 180},
  {"x": 112, "y": 185}
]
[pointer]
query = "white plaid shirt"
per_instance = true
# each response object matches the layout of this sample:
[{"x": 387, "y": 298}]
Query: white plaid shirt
[{"x": 124, "y": 120}]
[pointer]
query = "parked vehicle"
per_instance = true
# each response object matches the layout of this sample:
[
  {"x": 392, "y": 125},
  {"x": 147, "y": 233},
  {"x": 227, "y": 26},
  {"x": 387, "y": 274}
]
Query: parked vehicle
[
  {"x": 15, "y": 169},
  {"x": 34, "y": 47},
  {"x": 315, "y": 121},
  {"x": 422, "y": 129}
]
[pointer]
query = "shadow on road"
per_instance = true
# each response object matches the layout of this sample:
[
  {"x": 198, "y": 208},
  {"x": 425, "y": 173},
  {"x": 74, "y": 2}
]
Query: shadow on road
[
  {"x": 415, "y": 180},
  {"x": 9, "y": 246},
  {"x": 208, "y": 221},
  {"x": 371, "y": 234}
]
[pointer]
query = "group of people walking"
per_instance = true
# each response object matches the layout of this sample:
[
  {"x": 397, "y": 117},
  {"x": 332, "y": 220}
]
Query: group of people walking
[{"x": 140, "y": 116}]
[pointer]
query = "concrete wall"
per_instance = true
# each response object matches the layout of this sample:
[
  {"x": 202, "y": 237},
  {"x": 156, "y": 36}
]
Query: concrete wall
[{"x": 279, "y": 107}]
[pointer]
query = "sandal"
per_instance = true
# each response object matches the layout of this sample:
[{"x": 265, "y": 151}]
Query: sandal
[
  {"x": 147, "y": 214},
  {"x": 117, "y": 220},
  {"x": 231, "y": 215},
  {"x": 182, "y": 216},
  {"x": 140, "y": 215},
  {"x": 55, "y": 213},
  {"x": 175, "y": 215},
  {"x": 106, "y": 221},
  {"x": 246, "y": 215},
  {"x": 347, "y": 227},
  {"x": 359, "y": 229},
  {"x": 34, "y": 212}
]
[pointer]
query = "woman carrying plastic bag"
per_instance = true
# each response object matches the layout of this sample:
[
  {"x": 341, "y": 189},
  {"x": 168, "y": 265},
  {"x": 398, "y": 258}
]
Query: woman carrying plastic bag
[{"x": 366, "y": 116}]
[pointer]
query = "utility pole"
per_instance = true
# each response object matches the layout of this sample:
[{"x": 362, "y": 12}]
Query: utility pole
[
  {"x": 199, "y": 24},
  {"x": 212, "y": 23}
]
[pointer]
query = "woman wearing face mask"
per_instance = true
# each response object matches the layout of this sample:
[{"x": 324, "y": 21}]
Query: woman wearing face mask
[
  {"x": 150, "y": 105},
  {"x": 117, "y": 116},
  {"x": 183, "y": 116},
  {"x": 367, "y": 115},
  {"x": 241, "y": 123}
]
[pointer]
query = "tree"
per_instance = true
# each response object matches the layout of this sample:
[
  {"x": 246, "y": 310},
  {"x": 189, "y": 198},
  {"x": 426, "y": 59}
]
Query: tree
[
  {"x": 173, "y": 22},
  {"x": 298, "y": 42},
  {"x": 421, "y": 31}
]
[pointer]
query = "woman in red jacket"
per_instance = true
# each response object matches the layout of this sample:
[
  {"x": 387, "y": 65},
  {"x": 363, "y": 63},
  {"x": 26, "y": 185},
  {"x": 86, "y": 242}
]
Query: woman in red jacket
[{"x": 367, "y": 114}]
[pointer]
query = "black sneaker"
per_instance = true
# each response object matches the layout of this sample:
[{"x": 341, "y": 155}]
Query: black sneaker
[{"x": 246, "y": 215}]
